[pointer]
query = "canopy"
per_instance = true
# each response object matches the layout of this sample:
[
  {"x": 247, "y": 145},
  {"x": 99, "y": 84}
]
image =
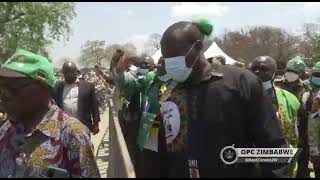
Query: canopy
[{"x": 214, "y": 50}]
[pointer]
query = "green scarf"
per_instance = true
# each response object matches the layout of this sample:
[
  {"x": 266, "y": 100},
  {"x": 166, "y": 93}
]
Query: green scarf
[
  {"x": 288, "y": 106},
  {"x": 151, "y": 108}
]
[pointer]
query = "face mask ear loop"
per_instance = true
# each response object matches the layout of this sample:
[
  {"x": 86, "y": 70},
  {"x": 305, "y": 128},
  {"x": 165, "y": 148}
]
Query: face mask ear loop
[
  {"x": 273, "y": 76},
  {"x": 191, "y": 48},
  {"x": 190, "y": 51},
  {"x": 194, "y": 62}
]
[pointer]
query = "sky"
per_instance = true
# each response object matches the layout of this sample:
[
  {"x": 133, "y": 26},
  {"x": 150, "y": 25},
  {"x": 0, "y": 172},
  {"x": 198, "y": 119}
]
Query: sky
[{"x": 121, "y": 22}]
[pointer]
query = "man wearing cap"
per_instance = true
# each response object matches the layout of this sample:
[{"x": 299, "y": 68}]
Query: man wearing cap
[
  {"x": 291, "y": 81},
  {"x": 312, "y": 101},
  {"x": 38, "y": 134}
]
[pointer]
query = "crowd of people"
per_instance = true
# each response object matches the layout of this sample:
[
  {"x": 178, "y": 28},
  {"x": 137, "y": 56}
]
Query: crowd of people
[
  {"x": 191, "y": 107},
  {"x": 177, "y": 112}
]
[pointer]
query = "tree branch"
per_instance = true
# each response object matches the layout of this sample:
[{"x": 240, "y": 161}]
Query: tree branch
[{"x": 9, "y": 12}]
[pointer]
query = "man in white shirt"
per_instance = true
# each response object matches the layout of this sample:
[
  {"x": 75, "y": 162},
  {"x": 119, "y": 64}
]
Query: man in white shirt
[
  {"x": 77, "y": 97},
  {"x": 70, "y": 97}
]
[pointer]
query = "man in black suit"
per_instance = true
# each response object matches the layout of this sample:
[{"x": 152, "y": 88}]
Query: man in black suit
[{"x": 77, "y": 97}]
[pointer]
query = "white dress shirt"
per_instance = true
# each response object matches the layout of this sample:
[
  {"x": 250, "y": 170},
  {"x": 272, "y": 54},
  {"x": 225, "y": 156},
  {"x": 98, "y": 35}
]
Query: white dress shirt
[{"x": 70, "y": 98}]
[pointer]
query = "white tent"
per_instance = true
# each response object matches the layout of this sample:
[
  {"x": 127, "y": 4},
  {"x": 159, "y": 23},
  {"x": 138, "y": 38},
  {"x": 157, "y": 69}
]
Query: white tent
[
  {"x": 156, "y": 56},
  {"x": 214, "y": 50}
]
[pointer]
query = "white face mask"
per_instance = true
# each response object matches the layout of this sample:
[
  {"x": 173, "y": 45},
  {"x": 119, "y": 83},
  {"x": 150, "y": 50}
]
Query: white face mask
[
  {"x": 291, "y": 76},
  {"x": 267, "y": 85},
  {"x": 315, "y": 80},
  {"x": 164, "y": 78},
  {"x": 176, "y": 67}
]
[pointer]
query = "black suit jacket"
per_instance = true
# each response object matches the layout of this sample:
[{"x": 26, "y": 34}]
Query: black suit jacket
[{"x": 88, "y": 105}]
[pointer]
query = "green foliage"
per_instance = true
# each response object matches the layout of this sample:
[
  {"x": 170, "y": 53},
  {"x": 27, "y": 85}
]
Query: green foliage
[
  {"x": 128, "y": 48},
  {"x": 316, "y": 46},
  {"x": 251, "y": 42},
  {"x": 97, "y": 53},
  {"x": 33, "y": 25},
  {"x": 92, "y": 53},
  {"x": 310, "y": 42}
]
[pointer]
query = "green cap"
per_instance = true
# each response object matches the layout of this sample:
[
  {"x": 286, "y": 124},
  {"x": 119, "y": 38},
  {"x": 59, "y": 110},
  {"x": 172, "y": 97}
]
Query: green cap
[
  {"x": 27, "y": 64},
  {"x": 296, "y": 65},
  {"x": 316, "y": 67}
]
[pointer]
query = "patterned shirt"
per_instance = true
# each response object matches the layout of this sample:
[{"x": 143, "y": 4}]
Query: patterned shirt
[
  {"x": 175, "y": 120},
  {"x": 58, "y": 140}
]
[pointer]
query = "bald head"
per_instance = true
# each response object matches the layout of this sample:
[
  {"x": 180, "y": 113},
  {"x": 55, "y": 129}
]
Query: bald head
[
  {"x": 146, "y": 62},
  {"x": 179, "y": 38},
  {"x": 264, "y": 67},
  {"x": 70, "y": 72},
  {"x": 69, "y": 65}
]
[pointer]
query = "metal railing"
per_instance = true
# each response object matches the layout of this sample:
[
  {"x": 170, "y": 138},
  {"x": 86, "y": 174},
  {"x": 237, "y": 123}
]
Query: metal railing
[{"x": 120, "y": 164}]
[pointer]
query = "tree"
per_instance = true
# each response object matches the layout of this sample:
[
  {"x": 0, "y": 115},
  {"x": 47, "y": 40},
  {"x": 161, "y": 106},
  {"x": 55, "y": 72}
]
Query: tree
[
  {"x": 310, "y": 42},
  {"x": 248, "y": 43},
  {"x": 128, "y": 48},
  {"x": 152, "y": 44},
  {"x": 98, "y": 53},
  {"x": 93, "y": 52},
  {"x": 33, "y": 25}
]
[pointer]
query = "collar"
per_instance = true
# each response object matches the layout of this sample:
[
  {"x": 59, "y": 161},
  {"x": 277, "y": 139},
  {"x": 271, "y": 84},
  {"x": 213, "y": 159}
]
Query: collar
[
  {"x": 209, "y": 73},
  {"x": 50, "y": 124}
]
